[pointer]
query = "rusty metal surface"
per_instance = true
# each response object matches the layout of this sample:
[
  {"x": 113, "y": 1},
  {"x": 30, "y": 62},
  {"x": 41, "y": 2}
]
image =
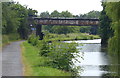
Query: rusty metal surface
[{"x": 67, "y": 21}]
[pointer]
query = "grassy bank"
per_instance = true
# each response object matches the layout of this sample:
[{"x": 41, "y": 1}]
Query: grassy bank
[
  {"x": 71, "y": 36},
  {"x": 6, "y": 39},
  {"x": 33, "y": 63}
]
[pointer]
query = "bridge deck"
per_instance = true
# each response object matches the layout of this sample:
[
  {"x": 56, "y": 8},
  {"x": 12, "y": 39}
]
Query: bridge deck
[{"x": 67, "y": 21}]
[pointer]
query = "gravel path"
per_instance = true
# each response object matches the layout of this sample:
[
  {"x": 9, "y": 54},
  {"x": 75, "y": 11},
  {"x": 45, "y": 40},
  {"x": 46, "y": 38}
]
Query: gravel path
[{"x": 11, "y": 60}]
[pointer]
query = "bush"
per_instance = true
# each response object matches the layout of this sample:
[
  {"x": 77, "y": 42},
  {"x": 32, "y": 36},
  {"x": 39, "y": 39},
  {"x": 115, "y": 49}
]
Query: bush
[
  {"x": 33, "y": 40},
  {"x": 43, "y": 47},
  {"x": 10, "y": 37},
  {"x": 5, "y": 39},
  {"x": 14, "y": 36},
  {"x": 60, "y": 54}
]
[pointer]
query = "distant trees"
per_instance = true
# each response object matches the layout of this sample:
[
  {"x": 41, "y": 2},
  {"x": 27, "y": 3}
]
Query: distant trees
[
  {"x": 15, "y": 19},
  {"x": 55, "y": 13},
  {"x": 91, "y": 14},
  {"x": 66, "y": 14},
  {"x": 85, "y": 29},
  {"x": 45, "y": 14}
]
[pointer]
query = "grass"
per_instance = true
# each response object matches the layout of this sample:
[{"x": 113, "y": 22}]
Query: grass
[
  {"x": 34, "y": 63},
  {"x": 6, "y": 39},
  {"x": 71, "y": 36}
]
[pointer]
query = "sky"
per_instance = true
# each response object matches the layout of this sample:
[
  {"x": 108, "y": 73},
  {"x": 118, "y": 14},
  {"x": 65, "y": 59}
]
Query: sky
[{"x": 76, "y": 7}]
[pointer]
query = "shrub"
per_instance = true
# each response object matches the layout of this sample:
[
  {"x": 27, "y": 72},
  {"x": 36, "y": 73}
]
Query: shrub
[
  {"x": 33, "y": 40},
  {"x": 59, "y": 53},
  {"x": 13, "y": 36},
  {"x": 62, "y": 55},
  {"x": 6, "y": 38},
  {"x": 43, "y": 47}
]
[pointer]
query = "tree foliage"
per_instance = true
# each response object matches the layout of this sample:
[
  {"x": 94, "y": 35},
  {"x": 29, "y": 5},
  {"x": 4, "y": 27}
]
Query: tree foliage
[
  {"x": 105, "y": 30},
  {"x": 113, "y": 11},
  {"x": 91, "y": 14},
  {"x": 85, "y": 29},
  {"x": 10, "y": 21},
  {"x": 15, "y": 19},
  {"x": 45, "y": 14},
  {"x": 55, "y": 13}
]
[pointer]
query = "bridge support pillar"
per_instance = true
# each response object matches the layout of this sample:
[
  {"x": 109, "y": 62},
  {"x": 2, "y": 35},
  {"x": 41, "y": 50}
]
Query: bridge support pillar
[{"x": 39, "y": 31}]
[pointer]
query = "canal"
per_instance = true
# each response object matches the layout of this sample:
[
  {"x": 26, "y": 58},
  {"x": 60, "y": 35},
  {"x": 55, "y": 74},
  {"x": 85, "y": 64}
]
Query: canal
[{"x": 95, "y": 59}]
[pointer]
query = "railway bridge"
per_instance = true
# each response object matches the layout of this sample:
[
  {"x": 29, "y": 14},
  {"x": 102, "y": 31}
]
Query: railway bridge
[{"x": 63, "y": 22}]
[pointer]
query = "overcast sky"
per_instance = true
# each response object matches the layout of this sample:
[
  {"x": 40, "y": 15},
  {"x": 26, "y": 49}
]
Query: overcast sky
[{"x": 76, "y": 7}]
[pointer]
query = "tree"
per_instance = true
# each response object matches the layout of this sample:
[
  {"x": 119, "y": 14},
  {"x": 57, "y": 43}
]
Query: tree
[
  {"x": 85, "y": 29},
  {"x": 32, "y": 12},
  {"x": 55, "y": 13},
  {"x": 10, "y": 20},
  {"x": 105, "y": 29},
  {"x": 91, "y": 14},
  {"x": 15, "y": 19},
  {"x": 66, "y": 14},
  {"x": 113, "y": 11},
  {"x": 64, "y": 29},
  {"x": 45, "y": 14}
]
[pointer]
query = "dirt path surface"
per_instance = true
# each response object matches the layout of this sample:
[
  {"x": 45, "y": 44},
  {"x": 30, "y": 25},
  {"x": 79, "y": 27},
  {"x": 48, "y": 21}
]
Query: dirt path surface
[{"x": 11, "y": 60}]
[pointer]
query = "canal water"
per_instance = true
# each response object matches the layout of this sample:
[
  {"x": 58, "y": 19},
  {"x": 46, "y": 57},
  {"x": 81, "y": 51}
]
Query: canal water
[{"x": 95, "y": 60}]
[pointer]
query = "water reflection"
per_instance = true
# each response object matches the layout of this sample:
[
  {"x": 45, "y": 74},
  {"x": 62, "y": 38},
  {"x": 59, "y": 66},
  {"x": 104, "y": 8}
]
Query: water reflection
[
  {"x": 96, "y": 60},
  {"x": 115, "y": 65},
  {"x": 93, "y": 58}
]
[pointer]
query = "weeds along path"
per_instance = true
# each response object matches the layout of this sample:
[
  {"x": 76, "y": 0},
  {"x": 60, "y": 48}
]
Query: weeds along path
[{"x": 11, "y": 60}]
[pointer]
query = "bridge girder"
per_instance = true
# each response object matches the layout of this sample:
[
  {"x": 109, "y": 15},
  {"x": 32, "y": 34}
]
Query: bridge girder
[
  {"x": 62, "y": 22},
  {"x": 67, "y": 21}
]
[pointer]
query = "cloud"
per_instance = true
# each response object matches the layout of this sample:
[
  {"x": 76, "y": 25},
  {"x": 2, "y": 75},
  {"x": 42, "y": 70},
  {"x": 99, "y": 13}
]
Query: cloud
[{"x": 74, "y": 6}]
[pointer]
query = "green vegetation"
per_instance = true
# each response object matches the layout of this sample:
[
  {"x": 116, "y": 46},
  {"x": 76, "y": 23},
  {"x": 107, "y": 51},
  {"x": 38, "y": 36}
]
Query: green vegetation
[
  {"x": 85, "y": 29},
  {"x": 105, "y": 30},
  {"x": 55, "y": 58},
  {"x": 6, "y": 39},
  {"x": 113, "y": 11},
  {"x": 91, "y": 14},
  {"x": 55, "y": 13},
  {"x": 34, "y": 63},
  {"x": 57, "y": 54},
  {"x": 15, "y": 24},
  {"x": 70, "y": 36}
]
